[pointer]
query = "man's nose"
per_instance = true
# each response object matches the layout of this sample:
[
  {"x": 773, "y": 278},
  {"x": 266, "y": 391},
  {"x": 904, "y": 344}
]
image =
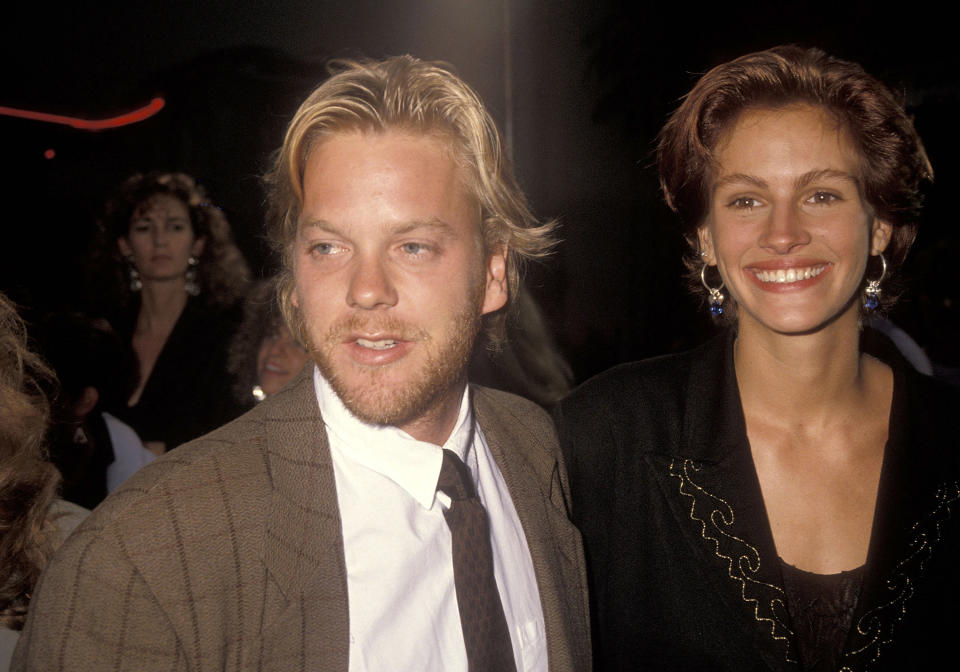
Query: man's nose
[{"x": 370, "y": 284}]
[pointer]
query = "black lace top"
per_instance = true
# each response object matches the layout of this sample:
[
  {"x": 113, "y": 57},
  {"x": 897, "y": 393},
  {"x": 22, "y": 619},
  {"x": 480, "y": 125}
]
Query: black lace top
[{"x": 821, "y": 609}]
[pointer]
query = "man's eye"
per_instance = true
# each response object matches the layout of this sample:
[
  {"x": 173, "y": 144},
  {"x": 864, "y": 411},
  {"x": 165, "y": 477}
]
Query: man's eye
[
  {"x": 323, "y": 249},
  {"x": 414, "y": 248}
]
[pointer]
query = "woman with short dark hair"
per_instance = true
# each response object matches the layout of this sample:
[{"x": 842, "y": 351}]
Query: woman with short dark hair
[{"x": 785, "y": 496}]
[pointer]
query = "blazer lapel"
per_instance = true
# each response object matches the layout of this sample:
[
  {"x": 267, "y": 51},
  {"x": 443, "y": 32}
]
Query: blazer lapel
[
  {"x": 714, "y": 493},
  {"x": 536, "y": 483},
  {"x": 916, "y": 498},
  {"x": 304, "y": 539}
]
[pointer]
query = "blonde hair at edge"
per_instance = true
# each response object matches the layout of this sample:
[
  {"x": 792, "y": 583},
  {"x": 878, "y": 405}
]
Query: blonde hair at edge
[{"x": 407, "y": 94}]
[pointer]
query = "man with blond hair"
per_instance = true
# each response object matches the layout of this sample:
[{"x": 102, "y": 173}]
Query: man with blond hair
[{"x": 379, "y": 513}]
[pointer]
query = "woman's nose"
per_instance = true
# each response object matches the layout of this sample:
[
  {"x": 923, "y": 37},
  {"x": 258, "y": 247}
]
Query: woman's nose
[{"x": 784, "y": 231}]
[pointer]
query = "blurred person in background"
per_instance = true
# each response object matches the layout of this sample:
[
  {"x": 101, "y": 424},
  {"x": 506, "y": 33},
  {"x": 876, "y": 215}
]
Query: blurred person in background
[
  {"x": 32, "y": 521},
  {"x": 528, "y": 362},
  {"x": 264, "y": 355},
  {"x": 94, "y": 451},
  {"x": 173, "y": 277}
]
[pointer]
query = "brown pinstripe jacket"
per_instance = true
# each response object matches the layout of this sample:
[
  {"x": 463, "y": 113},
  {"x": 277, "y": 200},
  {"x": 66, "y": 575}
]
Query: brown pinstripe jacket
[{"x": 223, "y": 556}]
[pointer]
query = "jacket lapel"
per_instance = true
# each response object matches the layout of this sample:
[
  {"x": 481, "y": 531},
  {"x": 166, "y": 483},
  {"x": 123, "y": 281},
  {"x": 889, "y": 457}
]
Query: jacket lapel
[
  {"x": 915, "y": 500},
  {"x": 714, "y": 493},
  {"x": 537, "y": 485},
  {"x": 304, "y": 539}
]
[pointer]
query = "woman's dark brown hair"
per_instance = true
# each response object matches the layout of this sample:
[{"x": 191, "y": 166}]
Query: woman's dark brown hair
[
  {"x": 222, "y": 272},
  {"x": 28, "y": 482},
  {"x": 893, "y": 161}
]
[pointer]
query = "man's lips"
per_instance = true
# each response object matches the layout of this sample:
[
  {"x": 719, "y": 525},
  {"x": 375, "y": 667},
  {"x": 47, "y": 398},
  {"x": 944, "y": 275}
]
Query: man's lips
[
  {"x": 377, "y": 350},
  {"x": 377, "y": 344}
]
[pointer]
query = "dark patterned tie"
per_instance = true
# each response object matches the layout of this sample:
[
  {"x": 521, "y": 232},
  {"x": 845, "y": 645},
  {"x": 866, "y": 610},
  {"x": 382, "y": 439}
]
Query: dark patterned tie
[{"x": 481, "y": 615}]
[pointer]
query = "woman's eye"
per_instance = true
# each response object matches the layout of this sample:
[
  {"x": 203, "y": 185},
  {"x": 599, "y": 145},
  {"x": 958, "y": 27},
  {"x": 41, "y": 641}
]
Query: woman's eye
[
  {"x": 823, "y": 198},
  {"x": 744, "y": 203}
]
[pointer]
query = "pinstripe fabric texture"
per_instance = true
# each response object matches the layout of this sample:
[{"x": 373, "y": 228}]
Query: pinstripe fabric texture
[{"x": 227, "y": 553}]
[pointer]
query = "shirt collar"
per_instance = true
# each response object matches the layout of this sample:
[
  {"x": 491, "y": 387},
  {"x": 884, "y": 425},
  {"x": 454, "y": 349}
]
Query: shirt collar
[{"x": 413, "y": 465}]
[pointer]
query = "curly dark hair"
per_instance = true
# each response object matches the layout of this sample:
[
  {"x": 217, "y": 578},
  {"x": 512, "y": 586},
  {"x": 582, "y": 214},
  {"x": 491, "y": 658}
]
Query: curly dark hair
[
  {"x": 222, "y": 272},
  {"x": 28, "y": 482},
  {"x": 892, "y": 158},
  {"x": 261, "y": 318}
]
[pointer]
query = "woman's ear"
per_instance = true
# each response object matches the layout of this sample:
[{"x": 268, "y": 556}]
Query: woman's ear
[
  {"x": 880, "y": 236},
  {"x": 197, "y": 248},
  {"x": 124, "y": 247},
  {"x": 707, "y": 252}
]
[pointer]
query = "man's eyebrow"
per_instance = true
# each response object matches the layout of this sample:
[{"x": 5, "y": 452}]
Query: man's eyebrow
[
  {"x": 321, "y": 224},
  {"x": 435, "y": 224},
  {"x": 438, "y": 225}
]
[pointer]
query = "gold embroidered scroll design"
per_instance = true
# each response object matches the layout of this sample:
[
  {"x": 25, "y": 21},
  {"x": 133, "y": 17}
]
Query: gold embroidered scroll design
[
  {"x": 716, "y": 518},
  {"x": 877, "y": 625}
]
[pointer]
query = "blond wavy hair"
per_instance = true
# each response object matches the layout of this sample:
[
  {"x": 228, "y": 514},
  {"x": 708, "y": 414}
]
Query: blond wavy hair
[
  {"x": 28, "y": 482},
  {"x": 410, "y": 95}
]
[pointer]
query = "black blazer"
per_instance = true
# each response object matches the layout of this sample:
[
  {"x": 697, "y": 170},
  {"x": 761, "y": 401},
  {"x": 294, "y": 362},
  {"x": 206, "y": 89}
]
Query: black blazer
[
  {"x": 683, "y": 570},
  {"x": 190, "y": 391}
]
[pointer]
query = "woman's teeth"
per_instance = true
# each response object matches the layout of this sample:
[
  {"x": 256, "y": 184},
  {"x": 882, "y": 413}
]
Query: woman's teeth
[
  {"x": 376, "y": 345},
  {"x": 784, "y": 275}
]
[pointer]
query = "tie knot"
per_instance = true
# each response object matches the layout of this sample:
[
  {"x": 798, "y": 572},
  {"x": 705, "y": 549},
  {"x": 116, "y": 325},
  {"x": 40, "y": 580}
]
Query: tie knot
[{"x": 455, "y": 480}]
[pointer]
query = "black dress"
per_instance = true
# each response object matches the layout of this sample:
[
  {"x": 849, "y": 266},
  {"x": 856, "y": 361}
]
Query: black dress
[
  {"x": 189, "y": 392},
  {"x": 684, "y": 573}
]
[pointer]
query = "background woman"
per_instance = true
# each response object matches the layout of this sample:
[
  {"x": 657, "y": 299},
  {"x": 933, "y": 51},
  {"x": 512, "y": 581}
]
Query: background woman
[
  {"x": 264, "y": 355},
  {"x": 176, "y": 278},
  {"x": 781, "y": 497}
]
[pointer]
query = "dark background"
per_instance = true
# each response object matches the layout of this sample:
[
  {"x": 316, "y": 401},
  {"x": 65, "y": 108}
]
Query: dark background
[{"x": 581, "y": 88}]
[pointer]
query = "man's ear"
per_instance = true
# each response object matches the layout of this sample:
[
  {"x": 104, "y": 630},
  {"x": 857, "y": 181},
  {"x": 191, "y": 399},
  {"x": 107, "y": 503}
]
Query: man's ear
[
  {"x": 496, "y": 292},
  {"x": 707, "y": 253},
  {"x": 880, "y": 236}
]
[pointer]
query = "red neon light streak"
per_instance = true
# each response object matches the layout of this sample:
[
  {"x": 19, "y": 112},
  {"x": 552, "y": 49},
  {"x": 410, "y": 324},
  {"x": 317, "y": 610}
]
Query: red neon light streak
[{"x": 133, "y": 117}]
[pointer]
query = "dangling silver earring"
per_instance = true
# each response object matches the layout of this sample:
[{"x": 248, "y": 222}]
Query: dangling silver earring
[
  {"x": 135, "y": 284},
  {"x": 716, "y": 296},
  {"x": 258, "y": 393},
  {"x": 192, "y": 286},
  {"x": 871, "y": 293}
]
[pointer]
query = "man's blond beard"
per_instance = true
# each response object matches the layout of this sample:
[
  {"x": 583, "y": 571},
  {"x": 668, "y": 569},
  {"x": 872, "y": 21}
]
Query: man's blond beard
[{"x": 441, "y": 374}]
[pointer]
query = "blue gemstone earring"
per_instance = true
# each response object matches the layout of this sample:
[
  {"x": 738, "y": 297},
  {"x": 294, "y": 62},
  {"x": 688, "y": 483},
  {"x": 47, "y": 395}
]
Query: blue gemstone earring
[
  {"x": 716, "y": 297},
  {"x": 871, "y": 293}
]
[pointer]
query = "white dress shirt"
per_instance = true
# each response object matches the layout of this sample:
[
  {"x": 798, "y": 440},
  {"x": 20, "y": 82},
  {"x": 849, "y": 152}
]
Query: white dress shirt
[{"x": 402, "y": 601}]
